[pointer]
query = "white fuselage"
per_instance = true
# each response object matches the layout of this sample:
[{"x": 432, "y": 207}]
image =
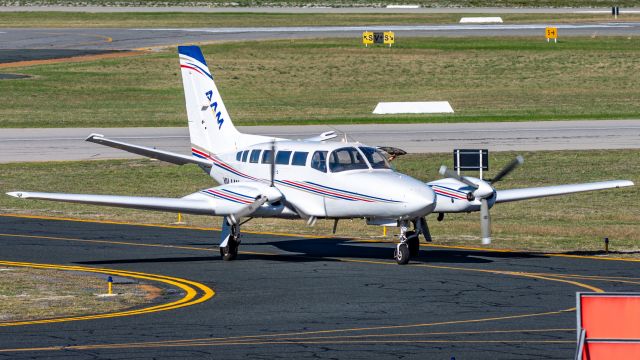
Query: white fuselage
[{"x": 314, "y": 185}]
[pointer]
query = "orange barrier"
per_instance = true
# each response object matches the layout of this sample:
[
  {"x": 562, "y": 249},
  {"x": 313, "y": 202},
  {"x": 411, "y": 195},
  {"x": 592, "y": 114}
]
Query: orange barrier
[{"x": 608, "y": 326}]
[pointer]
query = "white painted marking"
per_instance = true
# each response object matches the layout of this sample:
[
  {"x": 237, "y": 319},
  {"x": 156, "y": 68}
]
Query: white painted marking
[
  {"x": 391, "y": 28},
  {"x": 403, "y": 6},
  {"x": 481, "y": 20},
  {"x": 423, "y": 107}
]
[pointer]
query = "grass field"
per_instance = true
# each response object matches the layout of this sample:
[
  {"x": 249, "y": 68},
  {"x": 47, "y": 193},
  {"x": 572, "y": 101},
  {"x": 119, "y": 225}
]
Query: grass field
[
  {"x": 562, "y": 224},
  {"x": 141, "y": 20},
  {"x": 28, "y": 294},
  {"x": 333, "y": 3},
  {"x": 339, "y": 81}
]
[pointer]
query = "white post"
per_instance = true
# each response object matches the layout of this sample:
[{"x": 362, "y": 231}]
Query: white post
[{"x": 458, "y": 160}]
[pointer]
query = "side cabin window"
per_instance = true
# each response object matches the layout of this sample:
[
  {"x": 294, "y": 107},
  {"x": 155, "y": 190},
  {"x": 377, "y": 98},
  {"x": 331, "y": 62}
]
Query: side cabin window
[
  {"x": 282, "y": 157},
  {"x": 299, "y": 158},
  {"x": 244, "y": 155},
  {"x": 255, "y": 156},
  {"x": 375, "y": 157},
  {"x": 345, "y": 159},
  {"x": 267, "y": 155},
  {"x": 319, "y": 161},
  {"x": 239, "y": 156}
]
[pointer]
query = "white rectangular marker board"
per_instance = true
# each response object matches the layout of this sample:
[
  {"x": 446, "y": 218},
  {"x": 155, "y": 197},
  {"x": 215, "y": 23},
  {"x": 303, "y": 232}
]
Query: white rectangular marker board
[
  {"x": 423, "y": 107},
  {"x": 481, "y": 20}
]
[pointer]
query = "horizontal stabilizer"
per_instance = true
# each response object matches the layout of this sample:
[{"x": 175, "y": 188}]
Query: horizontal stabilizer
[
  {"x": 538, "y": 192},
  {"x": 190, "y": 206},
  {"x": 167, "y": 156}
]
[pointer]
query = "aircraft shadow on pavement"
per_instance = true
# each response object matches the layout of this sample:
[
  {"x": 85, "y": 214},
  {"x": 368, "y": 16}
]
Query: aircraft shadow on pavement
[{"x": 332, "y": 249}]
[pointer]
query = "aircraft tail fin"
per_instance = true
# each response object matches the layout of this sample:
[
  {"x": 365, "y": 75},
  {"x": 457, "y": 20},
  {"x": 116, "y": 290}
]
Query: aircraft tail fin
[{"x": 210, "y": 126}]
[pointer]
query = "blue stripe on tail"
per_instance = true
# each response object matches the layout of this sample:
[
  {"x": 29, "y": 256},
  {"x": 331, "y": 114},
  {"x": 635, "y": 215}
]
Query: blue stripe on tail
[{"x": 193, "y": 52}]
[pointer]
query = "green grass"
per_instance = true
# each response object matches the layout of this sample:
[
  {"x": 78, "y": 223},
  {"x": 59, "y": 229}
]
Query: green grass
[
  {"x": 339, "y": 81},
  {"x": 141, "y": 20},
  {"x": 333, "y": 3},
  {"x": 568, "y": 223},
  {"x": 30, "y": 294}
]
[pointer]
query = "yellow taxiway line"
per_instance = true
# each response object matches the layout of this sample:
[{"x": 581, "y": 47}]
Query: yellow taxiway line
[{"x": 195, "y": 293}]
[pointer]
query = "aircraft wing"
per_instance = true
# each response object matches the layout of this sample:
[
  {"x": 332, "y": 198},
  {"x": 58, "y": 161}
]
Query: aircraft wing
[
  {"x": 240, "y": 199},
  {"x": 167, "y": 156},
  {"x": 190, "y": 206},
  {"x": 538, "y": 192}
]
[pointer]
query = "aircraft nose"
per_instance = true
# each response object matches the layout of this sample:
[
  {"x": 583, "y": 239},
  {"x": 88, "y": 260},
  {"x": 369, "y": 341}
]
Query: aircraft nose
[{"x": 420, "y": 200}]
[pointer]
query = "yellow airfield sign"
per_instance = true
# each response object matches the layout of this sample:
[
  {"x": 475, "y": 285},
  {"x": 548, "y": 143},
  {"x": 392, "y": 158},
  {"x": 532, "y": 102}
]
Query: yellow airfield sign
[
  {"x": 389, "y": 38},
  {"x": 370, "y": 38},
  {"x": 551, "y": 33},
  {"x": 367, "y": 38}
]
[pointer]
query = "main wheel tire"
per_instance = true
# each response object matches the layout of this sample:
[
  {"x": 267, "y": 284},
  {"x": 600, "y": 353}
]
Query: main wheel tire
[
  {"x": 414, "y": 243},
  {"x": 229, "y": 252},
  {"x": 402, "y": 254}
]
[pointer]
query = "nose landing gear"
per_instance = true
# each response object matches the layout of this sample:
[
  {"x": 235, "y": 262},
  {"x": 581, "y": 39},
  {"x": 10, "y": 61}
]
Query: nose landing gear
[{"x": 409, "y": 245}]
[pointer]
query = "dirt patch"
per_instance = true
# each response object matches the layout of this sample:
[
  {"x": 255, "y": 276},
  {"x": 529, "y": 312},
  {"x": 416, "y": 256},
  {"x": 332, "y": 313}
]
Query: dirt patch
[{"x": 153, "y": 292}]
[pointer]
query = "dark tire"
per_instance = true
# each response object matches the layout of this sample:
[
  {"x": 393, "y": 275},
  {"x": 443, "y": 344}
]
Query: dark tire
[
  {"x": 229, "y": 252},
  {"x": 402, "y": 254},
  {"x": 414, "y": 243}
]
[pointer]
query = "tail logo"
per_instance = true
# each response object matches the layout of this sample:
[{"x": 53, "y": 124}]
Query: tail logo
[{"x": 214, "y": 107}]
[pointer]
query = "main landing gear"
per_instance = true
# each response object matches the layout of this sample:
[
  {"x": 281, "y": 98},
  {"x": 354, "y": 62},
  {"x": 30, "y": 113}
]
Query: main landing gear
[
  {"x": 409, "y": 245},
  {"x": 230, "y": 241}
]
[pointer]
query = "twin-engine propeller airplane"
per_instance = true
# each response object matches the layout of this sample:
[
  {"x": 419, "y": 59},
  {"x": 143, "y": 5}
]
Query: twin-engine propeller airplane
[{"x": 307, "y": 179}]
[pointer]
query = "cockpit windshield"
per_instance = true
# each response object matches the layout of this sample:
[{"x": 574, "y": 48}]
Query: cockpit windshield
[
  {"x": 375, "y": 157},
  {"x": 344, "y": 159}
]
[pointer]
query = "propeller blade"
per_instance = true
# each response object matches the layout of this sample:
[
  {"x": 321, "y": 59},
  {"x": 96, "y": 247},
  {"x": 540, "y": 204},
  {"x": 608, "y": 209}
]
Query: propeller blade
[
  {"x": 485, "y": 222},
  {"x": 507, "y": 169},
  {"x": 273, "y": 162},
  {"x": 247, "y": 210},
  {"x": 452, "y": 174}
]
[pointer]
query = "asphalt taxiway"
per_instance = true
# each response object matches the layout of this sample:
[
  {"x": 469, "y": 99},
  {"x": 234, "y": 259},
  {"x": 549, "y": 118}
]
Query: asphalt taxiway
[
  {"x": 307, "y": 297},
  {"x": 68, "y": 143},
  {"x": 131, "y": 39}
]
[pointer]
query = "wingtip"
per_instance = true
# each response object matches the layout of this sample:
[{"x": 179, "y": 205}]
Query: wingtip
[
  {"x": 92, "y": 136},
  {"x": 18, "y": 194}
]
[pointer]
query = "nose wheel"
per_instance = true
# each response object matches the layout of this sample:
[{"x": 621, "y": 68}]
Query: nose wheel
[
  {"x": 408, "y": 247},
  {"x": 402, "y": 254}
]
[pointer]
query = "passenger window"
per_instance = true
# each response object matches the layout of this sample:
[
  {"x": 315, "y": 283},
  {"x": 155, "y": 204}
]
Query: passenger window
[
  {"x": 267, "y": 155},
  {"x": 282, "y": 157},
  {"x": 244, "y": 155},
  {"x": 319, "y": 161},
  {"x": 375, "y": 157},
  {"x": 299, "y": 158},
  {"x": 239, "y": 156},
  {"x": 255, "y": 156},
  {"x": 346, "y": 159}
]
